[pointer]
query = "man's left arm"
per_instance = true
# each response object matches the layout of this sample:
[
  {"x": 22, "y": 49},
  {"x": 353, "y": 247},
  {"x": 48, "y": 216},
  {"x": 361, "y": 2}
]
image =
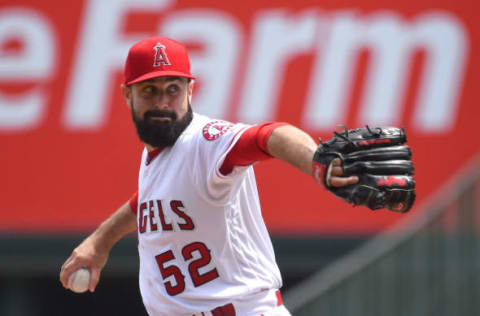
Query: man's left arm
[
  {"x": 294, "y": 146},
  {"x": 284, "y": 142}
]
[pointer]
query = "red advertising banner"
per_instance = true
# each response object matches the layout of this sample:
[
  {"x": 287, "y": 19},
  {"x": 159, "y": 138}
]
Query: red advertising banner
[{"x": 70, "y": 153}]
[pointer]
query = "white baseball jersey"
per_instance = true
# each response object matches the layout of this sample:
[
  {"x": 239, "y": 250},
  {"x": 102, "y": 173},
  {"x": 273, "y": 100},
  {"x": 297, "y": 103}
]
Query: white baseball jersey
[{"x": 202, "y": 239}]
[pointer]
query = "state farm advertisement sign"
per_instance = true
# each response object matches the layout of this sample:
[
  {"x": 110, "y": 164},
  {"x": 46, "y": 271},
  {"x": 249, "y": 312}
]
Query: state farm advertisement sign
[{"x": 70, "y": 154}]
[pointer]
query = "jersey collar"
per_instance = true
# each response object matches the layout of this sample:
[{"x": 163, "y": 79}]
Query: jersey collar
[{"x": 152, "y": 154}]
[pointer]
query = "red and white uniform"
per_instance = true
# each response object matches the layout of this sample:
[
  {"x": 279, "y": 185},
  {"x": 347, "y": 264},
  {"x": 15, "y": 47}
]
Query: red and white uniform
[{"x": 202, "y": 241}]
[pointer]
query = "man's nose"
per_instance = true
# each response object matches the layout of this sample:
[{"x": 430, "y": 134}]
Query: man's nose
[{"x": 161, "y": 102}]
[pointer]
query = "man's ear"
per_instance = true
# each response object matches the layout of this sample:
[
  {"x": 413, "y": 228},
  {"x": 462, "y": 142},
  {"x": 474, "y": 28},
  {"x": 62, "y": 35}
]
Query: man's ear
[
  {"x": 127, "y": 94},
  {"x": 191, "y": 83}
]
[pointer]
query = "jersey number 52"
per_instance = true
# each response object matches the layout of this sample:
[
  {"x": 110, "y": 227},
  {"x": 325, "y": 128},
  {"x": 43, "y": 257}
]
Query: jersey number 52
[{"x": 193, "y": 267}]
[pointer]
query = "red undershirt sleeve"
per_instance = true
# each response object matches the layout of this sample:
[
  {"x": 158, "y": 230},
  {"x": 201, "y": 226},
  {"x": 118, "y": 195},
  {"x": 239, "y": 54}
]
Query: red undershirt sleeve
[
  {"x": 250, "y": 147},
  {"x": 134, "y": 202}
]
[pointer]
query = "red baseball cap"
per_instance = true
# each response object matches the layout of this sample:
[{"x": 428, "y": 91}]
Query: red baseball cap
[{"x": 156, "y": 57}]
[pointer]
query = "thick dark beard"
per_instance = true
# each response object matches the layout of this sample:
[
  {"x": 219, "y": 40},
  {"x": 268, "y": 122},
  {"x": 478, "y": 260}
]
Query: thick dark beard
[{"x": 161, "y": 133}]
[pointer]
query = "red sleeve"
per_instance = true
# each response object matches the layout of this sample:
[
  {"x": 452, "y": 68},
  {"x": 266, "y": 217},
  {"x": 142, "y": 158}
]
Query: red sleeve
[
  {"x": 134, "y": 202},
  {"x": 250, "y": 147}
]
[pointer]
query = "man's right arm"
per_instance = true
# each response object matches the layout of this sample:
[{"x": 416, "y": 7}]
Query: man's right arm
[{"x": 93, "y": 252}]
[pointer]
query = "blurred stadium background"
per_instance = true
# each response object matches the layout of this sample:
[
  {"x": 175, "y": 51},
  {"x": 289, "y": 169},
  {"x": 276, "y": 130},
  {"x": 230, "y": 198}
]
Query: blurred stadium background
[{"x": 70, "y": 154}]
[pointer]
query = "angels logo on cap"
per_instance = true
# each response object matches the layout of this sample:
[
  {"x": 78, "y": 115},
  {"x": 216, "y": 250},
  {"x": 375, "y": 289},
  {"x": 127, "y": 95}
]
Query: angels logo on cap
[
  {"x": 160, "y": 56},
  {"x": 156, "y": 57}
]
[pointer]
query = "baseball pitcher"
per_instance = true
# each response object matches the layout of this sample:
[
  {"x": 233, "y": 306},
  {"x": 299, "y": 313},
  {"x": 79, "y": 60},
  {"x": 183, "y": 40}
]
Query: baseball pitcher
[{"x": 203, "y": 246}]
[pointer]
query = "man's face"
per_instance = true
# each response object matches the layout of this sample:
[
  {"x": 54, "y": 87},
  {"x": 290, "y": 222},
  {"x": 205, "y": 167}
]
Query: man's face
[{"x": 160, "y": 109}]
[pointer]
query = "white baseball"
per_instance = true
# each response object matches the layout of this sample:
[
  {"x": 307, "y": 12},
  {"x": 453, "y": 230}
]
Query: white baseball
[{"x": 79, "y": 280}]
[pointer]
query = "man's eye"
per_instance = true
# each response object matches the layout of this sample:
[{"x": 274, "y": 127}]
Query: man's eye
[
  {"x": 172, "y": 89},
  {"x": 149, "y": 89}
]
